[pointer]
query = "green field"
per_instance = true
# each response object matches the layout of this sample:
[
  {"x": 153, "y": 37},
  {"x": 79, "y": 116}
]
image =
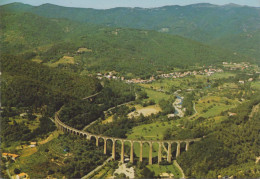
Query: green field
[
  {"x": 63, "y": 60},
  {"x": 33, "y": 160},
  {"x": 167, "y": 83},
  {"x": 158, "y": 169},
  {"x": 146, "y": 111},
  {"x": 216, "y": 110},
  {"x": 221, "y": 75},
  {"x": 153, "y": 131},
  {"x": 256, "y": 85},
  {"x": 211, "y": 106},
  {"x": 155, "y": 95}
]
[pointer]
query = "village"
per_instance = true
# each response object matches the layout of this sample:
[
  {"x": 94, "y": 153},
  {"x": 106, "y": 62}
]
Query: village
[
  {"x": 229, "y": 66},
  {"x": 174, "y": 75}
]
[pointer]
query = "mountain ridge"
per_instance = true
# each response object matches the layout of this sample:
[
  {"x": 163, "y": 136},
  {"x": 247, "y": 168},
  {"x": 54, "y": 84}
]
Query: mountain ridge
[
  {"x": 111, "y": 48},
  {"x": 194, "y": 5},
  {"x": 201, "y": 22}
]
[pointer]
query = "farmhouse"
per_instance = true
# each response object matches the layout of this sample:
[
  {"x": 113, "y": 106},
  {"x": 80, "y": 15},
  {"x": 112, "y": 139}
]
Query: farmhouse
[
  {"x": 12, "y": 156},
  {"x": 22, "y": 176},
  {"x": 33, "y": 144},
  {"x": 231, "y": 114},
  {"x": 166, "y": 175},
  {"x": 250, "y": 79}
]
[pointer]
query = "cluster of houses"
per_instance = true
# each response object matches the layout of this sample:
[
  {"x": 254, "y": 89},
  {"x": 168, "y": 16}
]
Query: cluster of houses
[
  {"x": 243, "y": 82},
  {"x": 208, "y": 72},
  {"x": 14, "y": 157},
  {"x": 138, "y": 80},
  {"x": 109, "y": 75},
  {"x": 9, "y": 155},
  {"x": 236, "y": 66},
  {"x": 21, "y": 176},
  {"x": 166, "y": 175},
  {"x": 112, "y": 75}
]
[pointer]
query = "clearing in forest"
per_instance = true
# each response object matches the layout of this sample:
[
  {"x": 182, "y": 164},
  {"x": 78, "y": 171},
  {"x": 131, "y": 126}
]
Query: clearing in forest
[
  {"x": 63, "y": 60},
  {"x": 82, "y": 50},
  {"x": 212, "y": 106},
  {"x": 146, "y": 111},
  {"x": 159, "y": 169},
  {"x": 37, "y": 60}
]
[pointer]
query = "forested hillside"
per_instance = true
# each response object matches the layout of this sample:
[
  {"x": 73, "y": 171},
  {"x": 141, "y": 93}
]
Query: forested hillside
[
  {"x": 244, "y": 43},
  {"x": 48, "y": 40},
  {"x": 202, "y": 22},
  {"x": 230, "y": 148},
  {"x": 28, "y": 84}
]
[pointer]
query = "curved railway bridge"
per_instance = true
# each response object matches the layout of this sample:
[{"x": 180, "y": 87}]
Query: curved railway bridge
[{"x": 61, "y": 126}]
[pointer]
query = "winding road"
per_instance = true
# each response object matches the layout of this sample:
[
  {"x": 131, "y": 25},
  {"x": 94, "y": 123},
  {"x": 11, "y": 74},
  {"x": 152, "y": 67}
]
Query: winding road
[
  {"x": 97, "y": 169},
  {"x": 178, "y": 166},
  {"x": 194, "y": 108},
  {"x": 91, "y": 96}
]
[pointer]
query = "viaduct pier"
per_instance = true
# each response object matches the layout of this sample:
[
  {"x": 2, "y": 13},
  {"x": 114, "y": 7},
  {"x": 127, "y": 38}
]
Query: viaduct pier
[{"x": 161, "y": 143}]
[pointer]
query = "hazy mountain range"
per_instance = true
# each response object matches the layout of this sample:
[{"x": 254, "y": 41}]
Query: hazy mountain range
[
  {"x": 132, "y": 52},
  {"x": 229, "y": 26}
]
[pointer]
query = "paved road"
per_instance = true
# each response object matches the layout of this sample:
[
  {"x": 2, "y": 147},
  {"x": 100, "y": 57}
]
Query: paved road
[
  {"x": 194, "y": 108},
  {"x": 196, "y": 112},
  {"x": 178, "y": 166},
  {"x": 97, "y": 169},
  {"x": 52, "y": 120},
  {"x": 117, "y": 106},
  {"x": 87, "y": 126},
  {"x": 91, "y": 96}
]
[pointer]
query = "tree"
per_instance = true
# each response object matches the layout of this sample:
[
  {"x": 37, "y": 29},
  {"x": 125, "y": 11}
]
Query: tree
[
  {"x": 50, "y": 172},
  {"x": 166, "y": 106},
  {"x": 17, "y": 171},
  {"x": 146, "y": 173},
  {"x": 142, "y": 95}
]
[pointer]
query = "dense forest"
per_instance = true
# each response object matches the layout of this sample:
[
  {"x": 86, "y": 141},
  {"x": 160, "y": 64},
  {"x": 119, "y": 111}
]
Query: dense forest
[
  {"x": 28, "y": 84},
  {"x": 20, "y": 131},
  {"x": 78, "y": 114},
  {"x": 28, "y": 87}
]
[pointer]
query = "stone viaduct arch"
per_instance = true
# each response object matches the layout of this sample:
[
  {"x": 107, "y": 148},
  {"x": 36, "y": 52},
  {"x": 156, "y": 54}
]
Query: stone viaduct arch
[{"x": 61, "y": 126}]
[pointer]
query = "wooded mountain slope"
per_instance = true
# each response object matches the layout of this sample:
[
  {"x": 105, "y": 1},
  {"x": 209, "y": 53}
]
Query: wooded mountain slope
[
  {"x": 27, "y": 84},
  {"x": 202, "y": 22},
  {"x": 129, "y": 51}
]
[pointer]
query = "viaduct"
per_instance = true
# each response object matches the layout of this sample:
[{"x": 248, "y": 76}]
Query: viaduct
[{"x": 61, "y": 126}]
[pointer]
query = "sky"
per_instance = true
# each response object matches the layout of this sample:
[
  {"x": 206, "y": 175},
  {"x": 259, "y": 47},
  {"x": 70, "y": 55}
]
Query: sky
[{"x": 107, "y": 4}]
